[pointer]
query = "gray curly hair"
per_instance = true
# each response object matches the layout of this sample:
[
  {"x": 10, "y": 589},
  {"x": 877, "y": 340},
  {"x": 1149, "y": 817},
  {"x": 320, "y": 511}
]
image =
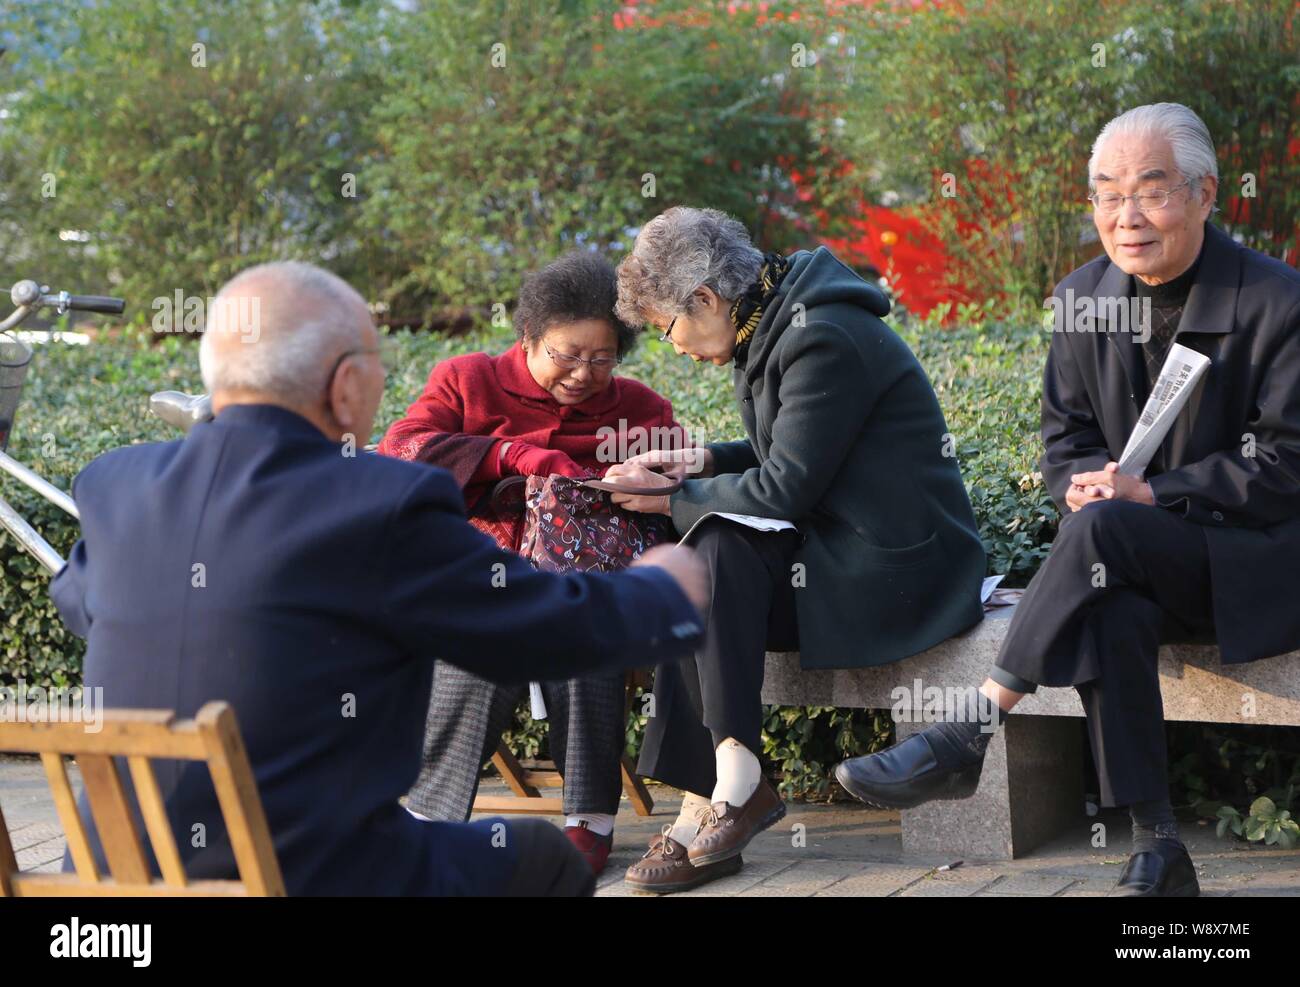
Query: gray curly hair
[{"x": 678, "y": 251}]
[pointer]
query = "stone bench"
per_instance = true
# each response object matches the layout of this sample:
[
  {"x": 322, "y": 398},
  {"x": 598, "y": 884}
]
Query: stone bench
[{"x": 1032, "y": 783}]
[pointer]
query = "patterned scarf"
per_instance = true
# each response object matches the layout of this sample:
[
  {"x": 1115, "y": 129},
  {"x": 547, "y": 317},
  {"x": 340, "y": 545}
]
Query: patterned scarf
[{"x": 747, "y": 310}]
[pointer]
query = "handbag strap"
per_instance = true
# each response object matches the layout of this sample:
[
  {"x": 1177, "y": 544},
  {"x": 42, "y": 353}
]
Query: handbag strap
[{"x": 511, "y": 482}]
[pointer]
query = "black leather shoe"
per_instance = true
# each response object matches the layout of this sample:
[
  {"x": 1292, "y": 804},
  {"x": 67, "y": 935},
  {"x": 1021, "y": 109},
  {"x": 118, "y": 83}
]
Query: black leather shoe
[
  {"x": 905, "y": 776},
  {"x": 1165, "y": 872}
]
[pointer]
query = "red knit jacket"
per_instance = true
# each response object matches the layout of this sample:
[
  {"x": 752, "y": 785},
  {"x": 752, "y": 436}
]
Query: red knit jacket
[{"x": 482, "y": 395}]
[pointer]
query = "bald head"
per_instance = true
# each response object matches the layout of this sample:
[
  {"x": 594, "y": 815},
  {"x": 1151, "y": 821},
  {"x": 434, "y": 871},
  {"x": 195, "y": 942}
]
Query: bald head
[
  {"x": 279, "y": 334},
  {"x": 275, "y": 330}
]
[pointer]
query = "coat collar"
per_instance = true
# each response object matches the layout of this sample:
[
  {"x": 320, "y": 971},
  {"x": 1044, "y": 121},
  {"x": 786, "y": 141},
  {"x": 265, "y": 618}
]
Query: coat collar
[
  {"x": 514, "y": 376},
  {"x": 267, "y": 416},
  {"x": 1211, "y": 304}
]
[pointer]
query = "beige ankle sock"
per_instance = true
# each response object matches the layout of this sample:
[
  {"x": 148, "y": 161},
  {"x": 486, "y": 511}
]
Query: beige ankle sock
[
  {"x": 738, "y": 773},
  {"x": 687, "y": 823}
]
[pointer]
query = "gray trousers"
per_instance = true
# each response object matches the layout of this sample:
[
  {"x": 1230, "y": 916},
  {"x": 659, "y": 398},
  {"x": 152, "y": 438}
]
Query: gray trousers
[{"x": 468, "y": 715}]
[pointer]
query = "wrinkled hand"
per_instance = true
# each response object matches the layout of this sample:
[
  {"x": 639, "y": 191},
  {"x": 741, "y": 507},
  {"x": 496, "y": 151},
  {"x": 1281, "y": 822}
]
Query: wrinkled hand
[
  {"x": 530, "y": 460},
  {"x": 685, "y": 566},
  {"x": 633, "y": 475},
  {"x": 676, "y": 463},
  {"x": 1107, "y": 483}
]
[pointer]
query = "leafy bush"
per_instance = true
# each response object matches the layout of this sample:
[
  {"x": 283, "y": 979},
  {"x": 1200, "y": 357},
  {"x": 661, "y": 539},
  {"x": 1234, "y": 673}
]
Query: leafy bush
[
  {"x": 203, "y": 143},
  {"x": 1265, "y": 822},
  {"x": 510, "y": 133},
  {"x": 982, "y": 115},
  {"x": 431, "y": 152}
]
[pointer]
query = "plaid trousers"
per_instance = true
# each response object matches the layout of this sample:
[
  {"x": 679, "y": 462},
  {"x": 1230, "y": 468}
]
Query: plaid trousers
[{"x": 468, "y": 714}]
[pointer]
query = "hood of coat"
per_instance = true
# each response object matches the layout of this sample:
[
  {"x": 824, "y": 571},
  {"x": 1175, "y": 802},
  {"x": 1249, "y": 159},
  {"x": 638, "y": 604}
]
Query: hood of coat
[{"x": 816, "y": 277}]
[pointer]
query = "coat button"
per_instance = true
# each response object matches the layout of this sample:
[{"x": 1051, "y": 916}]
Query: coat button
[{"x": 1217, "y": 515}]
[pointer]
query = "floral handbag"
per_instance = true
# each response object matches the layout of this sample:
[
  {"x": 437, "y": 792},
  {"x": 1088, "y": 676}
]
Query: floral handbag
[{"x": 572, "y": 525}]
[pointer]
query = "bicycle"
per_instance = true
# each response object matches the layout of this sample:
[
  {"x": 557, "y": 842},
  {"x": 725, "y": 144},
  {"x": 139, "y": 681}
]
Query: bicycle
[{"x": 29, "y": 297}]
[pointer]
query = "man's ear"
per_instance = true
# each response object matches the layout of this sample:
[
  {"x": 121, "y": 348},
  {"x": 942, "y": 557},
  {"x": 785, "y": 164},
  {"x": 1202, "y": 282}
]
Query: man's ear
[
  {"x": 1209, "y": 191},
  {"x": 344, "y": 396}
]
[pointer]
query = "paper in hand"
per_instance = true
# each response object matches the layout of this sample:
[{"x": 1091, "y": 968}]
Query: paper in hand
[{"x": 1182, "y": 369}]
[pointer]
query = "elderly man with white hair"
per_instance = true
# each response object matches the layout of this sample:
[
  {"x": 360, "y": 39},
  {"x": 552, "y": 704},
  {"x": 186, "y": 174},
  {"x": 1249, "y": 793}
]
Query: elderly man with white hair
[
  {"x": 265, "y": 561},
  {"x": 1200, "y": 547}
]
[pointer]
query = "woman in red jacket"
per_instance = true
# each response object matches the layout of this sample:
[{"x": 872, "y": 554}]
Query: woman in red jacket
[{"x": 538, "y": 408}]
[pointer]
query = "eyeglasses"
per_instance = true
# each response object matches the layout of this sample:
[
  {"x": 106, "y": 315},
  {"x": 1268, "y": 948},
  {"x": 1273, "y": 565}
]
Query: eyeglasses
[
  {"x": 667, "y": 336},
  {"x": 567, "y": 361},
  {"x": 1147, "y": 200},
  {"x": 384, "y": 351}
]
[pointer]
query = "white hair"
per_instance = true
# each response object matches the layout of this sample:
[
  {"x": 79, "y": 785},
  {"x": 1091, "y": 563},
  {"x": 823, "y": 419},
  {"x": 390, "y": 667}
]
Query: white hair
[
  {"x": 678, "y": 251},
  {"x": 292, "y": 332},
  {"x": 1186, "y": 132}
]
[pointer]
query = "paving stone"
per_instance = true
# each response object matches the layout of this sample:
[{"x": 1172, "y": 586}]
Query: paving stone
[
  {"x": 1031, "y": 885},
  {"x": 875, "y": 881},
  {"x": 802, "y": 880},
  {"x": 34, "y": 833},
  {"x": 851, "y": 850},
  {"x": 960, "y": 883},
  {"x": 42, "y": 853}
]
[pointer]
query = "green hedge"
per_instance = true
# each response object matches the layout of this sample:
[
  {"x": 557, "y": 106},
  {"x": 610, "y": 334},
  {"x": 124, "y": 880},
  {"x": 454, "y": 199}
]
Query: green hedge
[{"x": 82, "y": 401}]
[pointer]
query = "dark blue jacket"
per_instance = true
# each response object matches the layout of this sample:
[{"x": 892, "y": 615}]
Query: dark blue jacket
[{"x": 253, "y": 562}]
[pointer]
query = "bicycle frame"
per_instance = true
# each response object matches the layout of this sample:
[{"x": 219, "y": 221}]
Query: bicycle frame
[{"x": 29, "y": 297}]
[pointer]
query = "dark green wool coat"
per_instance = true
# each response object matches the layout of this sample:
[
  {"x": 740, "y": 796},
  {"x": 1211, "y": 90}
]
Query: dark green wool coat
[{"x": 847, "y": 440}]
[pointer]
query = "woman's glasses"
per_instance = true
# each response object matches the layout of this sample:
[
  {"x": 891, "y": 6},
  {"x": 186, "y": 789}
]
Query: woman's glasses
[{"x": 567, "y": 361}]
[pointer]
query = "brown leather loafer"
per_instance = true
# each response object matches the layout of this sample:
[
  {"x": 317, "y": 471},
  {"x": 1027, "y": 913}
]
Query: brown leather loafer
[
  {"x": 727, "y": 829},
  {"x": 665, "y": 868}
]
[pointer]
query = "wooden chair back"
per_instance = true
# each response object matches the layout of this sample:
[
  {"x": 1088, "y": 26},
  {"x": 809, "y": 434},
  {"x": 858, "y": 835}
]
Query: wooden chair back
[{"x": 140, "y": 735}]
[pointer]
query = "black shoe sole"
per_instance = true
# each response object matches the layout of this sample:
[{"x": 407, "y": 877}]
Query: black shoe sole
[
  {"x": 959, "y": 785},
  {"x": 704, "y": 878},
  {"x": 1192, "y": 890},
  {"x": 772, "y": 818}
]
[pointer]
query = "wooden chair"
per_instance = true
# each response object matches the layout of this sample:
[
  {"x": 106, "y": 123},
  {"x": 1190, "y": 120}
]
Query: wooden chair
[
  {"x": 527, "y": 800},
  {"x": 139, "y": 735}
]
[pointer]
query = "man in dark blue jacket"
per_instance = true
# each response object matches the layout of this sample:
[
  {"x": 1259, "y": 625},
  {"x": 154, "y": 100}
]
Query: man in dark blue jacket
[{"x": 263, "y": 561}]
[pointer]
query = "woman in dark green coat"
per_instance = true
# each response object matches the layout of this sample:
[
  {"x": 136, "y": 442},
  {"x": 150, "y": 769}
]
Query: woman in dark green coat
[{"x": 846, "y": 441}]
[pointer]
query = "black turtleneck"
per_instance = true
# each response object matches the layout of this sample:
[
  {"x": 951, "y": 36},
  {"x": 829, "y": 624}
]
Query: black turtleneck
[{"x": 1167, "y": 302}]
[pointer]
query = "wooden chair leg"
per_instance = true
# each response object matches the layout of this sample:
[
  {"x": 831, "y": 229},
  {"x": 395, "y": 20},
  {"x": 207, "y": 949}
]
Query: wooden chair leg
[
  {"x": 8, "y": 862},
  {"x": 527, "y": 799},
  {"x": 637, "y": 793},
  {"x": 513, "y": 773}
]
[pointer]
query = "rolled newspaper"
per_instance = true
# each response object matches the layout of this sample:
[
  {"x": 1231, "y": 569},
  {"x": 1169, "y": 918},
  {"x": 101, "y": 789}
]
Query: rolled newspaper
[{"x": 1182, "y": 369}]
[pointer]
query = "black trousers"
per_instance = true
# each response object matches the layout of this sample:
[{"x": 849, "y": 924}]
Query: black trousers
[
  {"x": 702, "y": 700},
  {"x": 1121, "y": 579}
]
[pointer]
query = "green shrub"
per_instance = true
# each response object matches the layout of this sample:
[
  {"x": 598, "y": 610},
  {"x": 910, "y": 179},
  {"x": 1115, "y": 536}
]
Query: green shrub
[
  {"x": 510, "y": 132},
  {"x": 984, "y": 113},
  {"x": 187, "y": 165}
]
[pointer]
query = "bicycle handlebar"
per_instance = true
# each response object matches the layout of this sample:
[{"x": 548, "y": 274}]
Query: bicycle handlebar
[
  {"x": 31, "y": 294},
  {"x": 97, "y": 303}
]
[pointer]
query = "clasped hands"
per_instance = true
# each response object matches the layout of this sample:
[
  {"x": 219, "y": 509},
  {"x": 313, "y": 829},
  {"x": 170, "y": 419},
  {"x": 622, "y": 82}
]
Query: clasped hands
[{"x": 1107, "y": 483}]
